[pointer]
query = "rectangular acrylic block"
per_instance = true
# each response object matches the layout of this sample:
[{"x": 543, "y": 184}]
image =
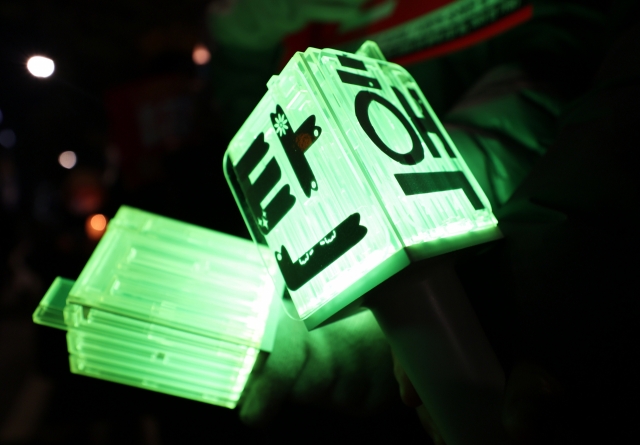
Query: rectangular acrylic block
[
  {"x": 346, "y": 174},
  {"x": 167, "y": 306}
]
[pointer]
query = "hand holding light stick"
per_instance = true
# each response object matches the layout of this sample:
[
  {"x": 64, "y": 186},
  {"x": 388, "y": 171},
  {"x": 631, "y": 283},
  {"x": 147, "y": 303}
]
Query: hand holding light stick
[
  {"x": 347, "y": 176},
  {"x": 435, "y": 335},
  {"x": 345, "y": 173}
]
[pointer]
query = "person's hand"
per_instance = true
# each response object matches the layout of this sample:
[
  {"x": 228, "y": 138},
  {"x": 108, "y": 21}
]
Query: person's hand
[
  {"x": 345, "y": 366},
  {"x": 262, "y": 24},
  {"x": 527, "y": 413}
]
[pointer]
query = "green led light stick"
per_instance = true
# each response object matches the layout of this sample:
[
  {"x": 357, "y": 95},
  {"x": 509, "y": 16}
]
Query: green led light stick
[
  {"x": 346, "y": 174},
  {"x": 167, "y": 306}
]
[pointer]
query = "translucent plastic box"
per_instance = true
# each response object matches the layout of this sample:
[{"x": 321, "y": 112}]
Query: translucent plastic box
[
  {"x": 167, "y": 306},
  {"x": 347, "y": 175}
]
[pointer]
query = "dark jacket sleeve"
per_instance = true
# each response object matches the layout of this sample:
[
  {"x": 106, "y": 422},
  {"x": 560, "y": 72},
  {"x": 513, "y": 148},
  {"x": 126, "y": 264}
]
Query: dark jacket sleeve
[
  {"x": 557, "y": 162},
  {"x": 560, "y": 290}
]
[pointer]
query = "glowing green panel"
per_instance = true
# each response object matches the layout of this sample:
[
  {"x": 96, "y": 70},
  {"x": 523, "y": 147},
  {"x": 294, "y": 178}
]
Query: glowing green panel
[
  {"x": 50, "y": 310},
  {"x": 118, "y": 348},
  {"x": 167, "y": 306},
  {"x": 147, "y": 267},
  {"x": 344, "y": 171}
]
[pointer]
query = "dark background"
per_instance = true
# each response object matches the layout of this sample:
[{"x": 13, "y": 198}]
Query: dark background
[{"x": 127, "y": 98}]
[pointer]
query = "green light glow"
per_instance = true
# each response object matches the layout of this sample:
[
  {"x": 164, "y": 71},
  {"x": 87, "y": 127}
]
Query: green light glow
[
  {"x": 345, "y": 172},
  {"x": 50, "y": 310},
  {"x": 167, "y": 306}
]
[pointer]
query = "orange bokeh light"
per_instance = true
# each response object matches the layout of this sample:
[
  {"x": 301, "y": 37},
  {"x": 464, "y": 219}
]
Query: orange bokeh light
[
  {"x": 201, "y": 54},
  {"x": 95, "y": 226}
]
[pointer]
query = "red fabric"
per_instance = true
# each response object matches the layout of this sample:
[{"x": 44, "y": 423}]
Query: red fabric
[
  {"x": 326, "y": 36},
  {"x": 404, "y": 11},
  {"x": 498, "y": 27}
]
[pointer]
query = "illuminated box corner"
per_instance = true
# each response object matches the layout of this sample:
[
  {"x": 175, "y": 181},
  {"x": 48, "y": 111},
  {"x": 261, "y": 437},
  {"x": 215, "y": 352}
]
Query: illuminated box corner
[
  {"x": 167, "y": 306},
  {"x": 346, "y": 174}
]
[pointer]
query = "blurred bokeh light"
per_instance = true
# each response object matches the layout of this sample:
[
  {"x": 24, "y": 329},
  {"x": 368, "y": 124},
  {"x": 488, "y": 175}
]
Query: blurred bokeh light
[
  {"x": 201, "y": 54},
  {"x": 95, "y": 226},
  {"x": 40, "y": 66},
  {"x": 7, "y": 138},
  {"x": 67, "y": 159}
]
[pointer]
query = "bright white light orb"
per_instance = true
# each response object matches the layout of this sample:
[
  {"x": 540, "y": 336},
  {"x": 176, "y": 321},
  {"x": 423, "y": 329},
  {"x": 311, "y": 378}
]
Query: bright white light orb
[
  {"x": 40, "y": 66},
  {"x": 200, "y": 55},
  {"x": 67, "y": 159}
]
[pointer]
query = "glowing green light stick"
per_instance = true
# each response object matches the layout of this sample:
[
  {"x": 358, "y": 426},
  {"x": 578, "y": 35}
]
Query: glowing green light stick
[
  {"x": 346, "y": 174},
  {"x": 167, "y": 306}
]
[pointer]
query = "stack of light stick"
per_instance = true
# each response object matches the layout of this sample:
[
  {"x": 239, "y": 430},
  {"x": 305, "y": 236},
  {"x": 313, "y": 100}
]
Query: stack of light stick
[
  {"x": 167, "y": 306},
  {"x": 346, "y": 174}
]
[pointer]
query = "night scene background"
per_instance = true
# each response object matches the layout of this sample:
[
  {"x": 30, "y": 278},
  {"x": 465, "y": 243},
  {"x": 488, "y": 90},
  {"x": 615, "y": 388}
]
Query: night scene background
[{"x": 129, "y": 101}]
